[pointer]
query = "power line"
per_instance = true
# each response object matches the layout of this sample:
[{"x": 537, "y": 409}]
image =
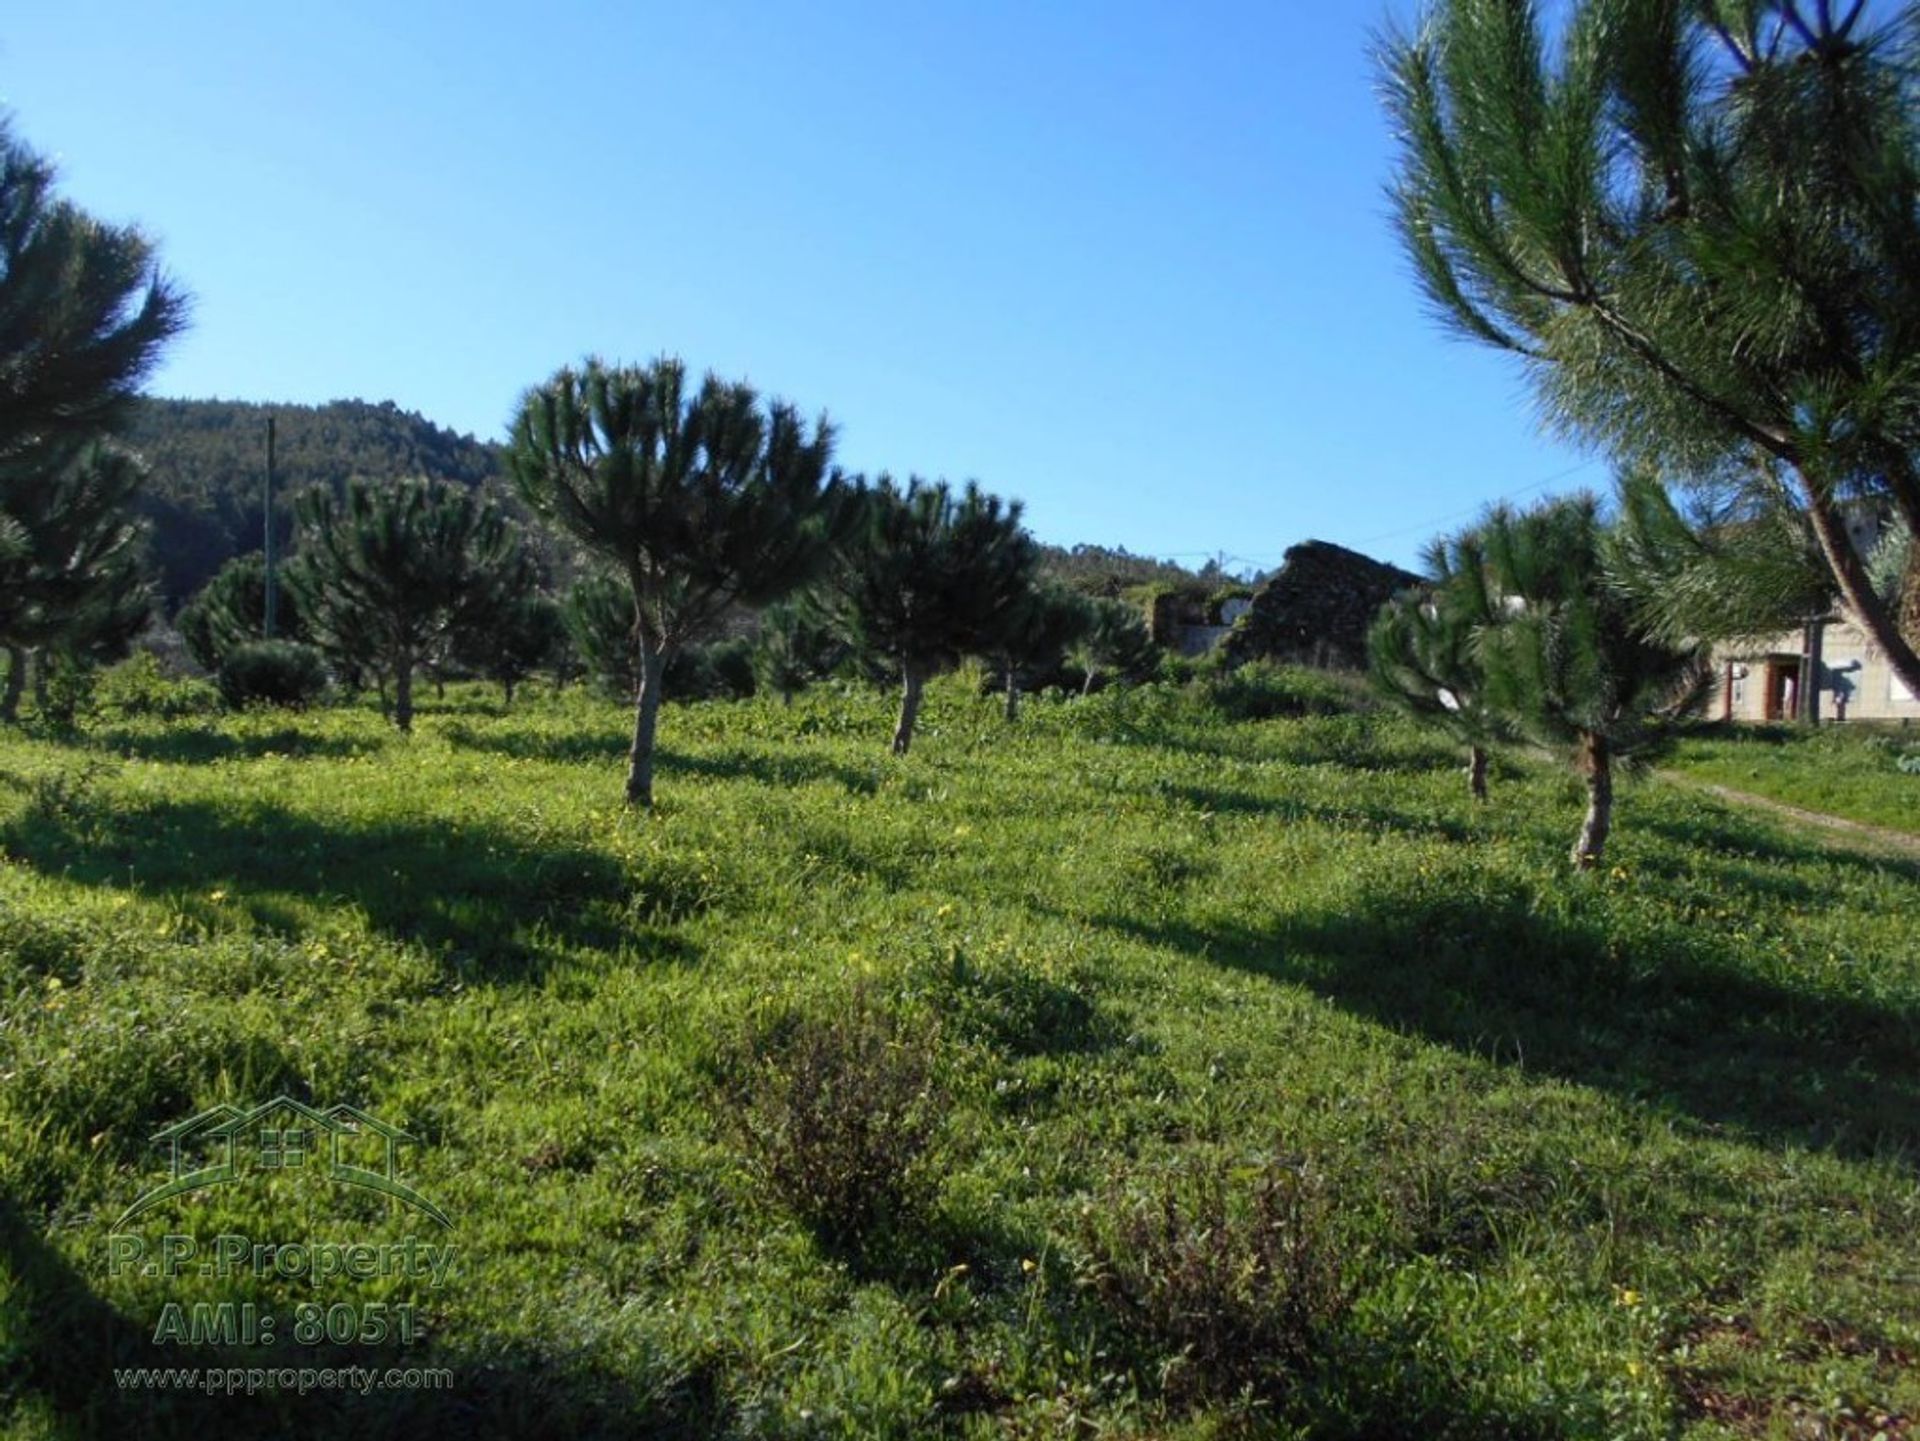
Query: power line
[{"x": 1432, "y": 525}]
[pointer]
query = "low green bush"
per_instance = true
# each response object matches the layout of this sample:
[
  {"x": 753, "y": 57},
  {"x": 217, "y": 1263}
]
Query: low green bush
[{"x": 139, "y": 686}]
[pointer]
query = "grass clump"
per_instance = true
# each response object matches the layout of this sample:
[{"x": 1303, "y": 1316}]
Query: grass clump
[
  {"x": 1225, "y": 1283},
  {"x": 839, "y": 1114}
]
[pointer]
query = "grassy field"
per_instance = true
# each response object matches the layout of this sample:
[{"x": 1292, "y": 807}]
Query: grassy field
[
  {"x": 1851, "y": 771},
  {"x": 1129, "y": 1072}
]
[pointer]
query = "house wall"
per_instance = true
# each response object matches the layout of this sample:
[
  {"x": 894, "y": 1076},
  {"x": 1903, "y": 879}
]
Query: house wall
[{"x": 1856, "y": 681}]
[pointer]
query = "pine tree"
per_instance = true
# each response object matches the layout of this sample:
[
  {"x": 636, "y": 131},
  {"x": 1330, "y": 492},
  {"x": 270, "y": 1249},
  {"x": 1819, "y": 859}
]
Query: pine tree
[
  {"x": 516, "y": 631},
  {"x": 600, "y": 622},
  {"x": 1117, "y": 642},
  {"x": 231, "y": 610},
  {"x": 701, "y": 502},
  {"x": 70, "y": 577},
  {"x": 794, "y": 647},
  {"x": 1697, "y": 224},
  {"x": 1753, "y": 571},
  {"x": 927, "y": 579},
  {"x": 1423, "y": 651},
  {"x": 1567, "y": 664},
  {"x": 1032, "y": 636},
  {"x": 83, "y": 317},
  {"x": 392, "y": 574}
]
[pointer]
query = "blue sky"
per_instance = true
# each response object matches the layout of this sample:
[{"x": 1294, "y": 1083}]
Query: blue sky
[{"x": 1128, "y": 262}]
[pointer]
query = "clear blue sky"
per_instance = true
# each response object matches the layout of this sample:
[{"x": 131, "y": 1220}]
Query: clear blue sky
[{"x": 1128, "y": 262}]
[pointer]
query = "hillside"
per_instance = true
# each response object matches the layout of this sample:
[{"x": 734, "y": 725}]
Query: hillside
[{"x": 208, "y": 460}]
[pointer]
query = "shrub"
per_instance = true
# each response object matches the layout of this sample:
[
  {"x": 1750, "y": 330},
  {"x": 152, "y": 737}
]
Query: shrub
[
  {"x": 272, "y": 672},
  {"x": 140, "y": 686},
  {"x": 839, "y": 1114},
  {"x": 1224, "y": 1287},
  {"x": 720, "y": 671},
  {"x": 65, "y": 687}
]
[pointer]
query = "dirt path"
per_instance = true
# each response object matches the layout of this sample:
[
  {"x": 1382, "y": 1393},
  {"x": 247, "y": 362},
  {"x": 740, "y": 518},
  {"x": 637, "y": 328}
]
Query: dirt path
[{"x": 1900, "y": 841}]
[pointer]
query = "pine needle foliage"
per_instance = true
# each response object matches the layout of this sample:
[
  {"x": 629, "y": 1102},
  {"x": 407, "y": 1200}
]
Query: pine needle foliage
[
  {"x": 1698, "y": 222},
  {"x": 1034, "y": 635},
  {"x": 231, "y": 611},
  {"x": 1117, "y": 643},
  {"x": 1423, "y": 651},
  {"x": 84, "y": 315}
]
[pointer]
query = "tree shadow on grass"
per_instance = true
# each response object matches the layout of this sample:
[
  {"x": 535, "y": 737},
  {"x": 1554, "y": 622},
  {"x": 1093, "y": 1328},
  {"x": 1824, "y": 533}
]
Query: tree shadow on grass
[
  {"x": 1361, "y": 815},
  {"x": 1728, "y": 833},
  {"x": 780, "y": 767},
  {"x": 61, "y": 1343},
  {"x": 494, "y": 905},
  {"x": 178, "y": 746},
  {"x": 1676, "y": 1022}
]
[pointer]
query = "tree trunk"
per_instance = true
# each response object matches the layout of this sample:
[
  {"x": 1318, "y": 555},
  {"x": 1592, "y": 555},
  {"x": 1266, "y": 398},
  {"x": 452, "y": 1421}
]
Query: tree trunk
[
  {"x": 1086, "y": 686},
  {"x": 506, "y": 687},
  {"x": 16, "y": 684},
  {"x": 1013, "y": 695},
  {"x": 403, "y": 693},
  {"x": 1477, "y": 772},
  {"x": 40, "y": 682},
  {"x": 909, "y": 710},
  {"x": 646, "y": 720},
  {"x": 1596, "y": 765},
  {"x": 1910, "y": 597},
  {"x": 786, "y": 697},
  {"x": 1810, "y": 667},
  {"x": 1850, "y": 574}
]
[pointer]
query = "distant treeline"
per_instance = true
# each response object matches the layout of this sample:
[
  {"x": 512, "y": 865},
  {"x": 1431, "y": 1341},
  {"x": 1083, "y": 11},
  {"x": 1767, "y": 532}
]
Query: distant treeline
[{"x": 207, "y": 461}]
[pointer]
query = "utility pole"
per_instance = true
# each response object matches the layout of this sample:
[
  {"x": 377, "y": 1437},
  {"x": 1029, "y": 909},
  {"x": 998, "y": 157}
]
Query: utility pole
[{"x": 268, "y": 628}]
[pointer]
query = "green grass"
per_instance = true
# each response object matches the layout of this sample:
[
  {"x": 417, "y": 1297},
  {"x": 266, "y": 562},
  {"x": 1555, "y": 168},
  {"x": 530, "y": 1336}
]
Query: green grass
[
  {"x": 1624, "y": 1154},
  {"x": 1851, "y": 771}
]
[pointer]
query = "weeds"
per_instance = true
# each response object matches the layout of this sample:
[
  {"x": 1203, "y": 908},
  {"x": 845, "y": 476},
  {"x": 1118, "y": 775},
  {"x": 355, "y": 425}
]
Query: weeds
[
  {"x": 839, "y": 1114},
  {"x": 1227, "y": 1282}
]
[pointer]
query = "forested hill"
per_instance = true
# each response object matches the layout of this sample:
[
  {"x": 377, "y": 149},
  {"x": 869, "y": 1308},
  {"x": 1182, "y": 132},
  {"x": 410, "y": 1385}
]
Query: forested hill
[{"x": 208, "y": 458}]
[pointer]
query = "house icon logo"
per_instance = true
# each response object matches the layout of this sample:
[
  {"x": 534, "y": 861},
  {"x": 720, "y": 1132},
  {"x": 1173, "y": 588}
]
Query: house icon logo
[{"x": 226, "y": 1144}]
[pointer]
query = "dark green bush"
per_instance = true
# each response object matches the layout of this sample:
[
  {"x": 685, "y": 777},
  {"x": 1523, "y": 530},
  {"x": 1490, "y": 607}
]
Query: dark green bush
[
  {"x": 721, "y": 671},
  {"x": 272, "y": 672}
]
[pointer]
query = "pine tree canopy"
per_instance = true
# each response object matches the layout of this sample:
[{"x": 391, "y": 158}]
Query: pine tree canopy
[
  {"x": 1699, "y": 223},
  {"x": 703, "y": 500},
  {"x": 932, "y": 574},
  {"x": 394, "y": 574},
  {"x": 70, "y": 569},
  {"x": 84, "y": 314},
  {"x": 1036, "y": 631},
  {"x": 1423, "y": 650},
  {"x": 231, "y": 611},
  {"x": 1117, "y": 643},
  {"x": 1566, "y": 660}
]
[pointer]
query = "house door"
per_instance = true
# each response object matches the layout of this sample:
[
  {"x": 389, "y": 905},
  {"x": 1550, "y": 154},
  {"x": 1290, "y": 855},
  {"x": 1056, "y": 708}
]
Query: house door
[{"x": 1783, "y": 681}]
